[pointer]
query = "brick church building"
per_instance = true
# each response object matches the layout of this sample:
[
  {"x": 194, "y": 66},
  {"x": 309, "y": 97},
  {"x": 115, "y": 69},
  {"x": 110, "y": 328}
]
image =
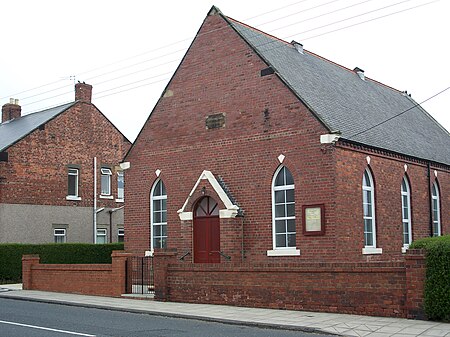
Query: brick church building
[
  {"x": 269, "y": 176},
  {"x": 259, "y": 150}
]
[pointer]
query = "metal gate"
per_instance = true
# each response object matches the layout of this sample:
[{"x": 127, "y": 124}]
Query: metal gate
[{"x": 140, "y": 275}]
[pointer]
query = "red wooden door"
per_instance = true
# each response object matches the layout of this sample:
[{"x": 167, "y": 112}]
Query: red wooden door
[{"x": 207, "y": 232}]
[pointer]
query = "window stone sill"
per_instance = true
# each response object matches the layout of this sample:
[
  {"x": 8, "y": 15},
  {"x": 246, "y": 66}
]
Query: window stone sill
[
  {"x": 372, "y": 251},
  {"x": 284, "y": 252},
  {"x": 106, "y": 197},
  {"x": 73, "y": 198}
]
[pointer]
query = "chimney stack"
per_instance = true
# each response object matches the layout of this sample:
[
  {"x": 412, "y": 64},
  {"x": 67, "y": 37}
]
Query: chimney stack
[
  {"x": 11, "y": 110},
  {"x": 83, "y": 92}
]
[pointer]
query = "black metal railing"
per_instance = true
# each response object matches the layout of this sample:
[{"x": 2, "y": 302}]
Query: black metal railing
[
  {"x": 184, "y": 255},
  {"x": 140, "y": 275},
  {"x": 225, "y": 255}
]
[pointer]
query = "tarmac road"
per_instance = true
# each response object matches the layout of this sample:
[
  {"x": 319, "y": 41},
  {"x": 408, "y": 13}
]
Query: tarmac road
[{"x": 20, "y": 318}]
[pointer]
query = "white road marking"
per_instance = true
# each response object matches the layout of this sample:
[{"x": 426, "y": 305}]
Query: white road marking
[{"x": 47, "y": 329}]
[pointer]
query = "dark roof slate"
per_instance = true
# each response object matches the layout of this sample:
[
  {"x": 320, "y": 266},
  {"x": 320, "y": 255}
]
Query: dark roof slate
[
  {"x": 14, "y": 130},
  {"x": 346, "y": 103}
]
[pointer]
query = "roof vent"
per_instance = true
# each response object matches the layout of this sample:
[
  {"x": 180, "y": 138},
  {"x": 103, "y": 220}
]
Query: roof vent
[
  {"x": 360, "y": 73},
  {"x": 405, "y": 93},
  {"x": 297, "y": 46}
]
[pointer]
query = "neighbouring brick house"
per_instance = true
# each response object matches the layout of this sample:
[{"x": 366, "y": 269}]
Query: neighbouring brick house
[
  {"x": 47, "y": 174},
  {"x": 263, "y": 159}
]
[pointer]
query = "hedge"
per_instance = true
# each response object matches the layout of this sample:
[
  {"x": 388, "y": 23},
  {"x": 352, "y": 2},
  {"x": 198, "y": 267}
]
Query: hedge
[
  {"x": 437, "y": 281},
  {"x": 65, "y": 253}
]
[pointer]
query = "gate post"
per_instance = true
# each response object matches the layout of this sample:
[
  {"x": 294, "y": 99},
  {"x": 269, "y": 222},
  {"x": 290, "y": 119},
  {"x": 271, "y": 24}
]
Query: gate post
[
  {"x": 27, "y": 264},
  {"x": 415, "y": 282},
  {"x": 161, "y": 261},
  {"x": 118, "y": 272}
]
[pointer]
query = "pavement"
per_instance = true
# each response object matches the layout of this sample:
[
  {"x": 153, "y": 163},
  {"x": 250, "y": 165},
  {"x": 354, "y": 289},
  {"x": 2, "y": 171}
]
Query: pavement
[{"x": 338, "y": 324}]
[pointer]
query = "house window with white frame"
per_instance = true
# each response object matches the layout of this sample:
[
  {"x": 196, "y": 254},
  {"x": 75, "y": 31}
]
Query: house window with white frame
[
  {"x": 436, "y": 210},
  {"x": 72, "y": 183},
  {"x": 101, "y": 236},
  {"x": 120, "y": 234},
  {"x": 105, "y": 181},
  {"x": 406, "y": 213},
  {"x": 120, "y": 186},
  {"x": 158, "y": 213},
  {"x": 59, "y": 235},
  {"x": 283, "y": 210},
  {"x": 370, "y": 235}
]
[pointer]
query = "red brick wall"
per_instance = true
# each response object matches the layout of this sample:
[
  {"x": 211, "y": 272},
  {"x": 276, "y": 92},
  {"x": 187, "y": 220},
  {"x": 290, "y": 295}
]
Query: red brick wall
[
  {"x": 387, "y": 172},
  {"x": 36, "y": 172},
  {"x": 86, "y": 279},
  {"x": 369, "y": 288},
  {"x": 393, "y": 289},
  {"x": 415, "y": 279},
  {"x": 93, "y": 279},
  {"x": 244, "y": 152}
]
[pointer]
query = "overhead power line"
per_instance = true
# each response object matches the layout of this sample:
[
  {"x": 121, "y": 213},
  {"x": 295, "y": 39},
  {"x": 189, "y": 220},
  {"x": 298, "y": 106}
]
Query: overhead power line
[
  {"x": 165, "y": 55},
  {"x": 398, "y": 115},
  {"x": 27, "y": 90},
  {"x": 370, "y": 20},
  {"x": 302, "y": 11},
  {"x": 322, "y": 15},
  {"x": 160, "y": 48}
]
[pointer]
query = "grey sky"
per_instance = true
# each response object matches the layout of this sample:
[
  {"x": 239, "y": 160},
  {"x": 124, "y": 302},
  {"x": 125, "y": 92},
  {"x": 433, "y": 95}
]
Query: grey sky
[{"x": 129, "y": 50}]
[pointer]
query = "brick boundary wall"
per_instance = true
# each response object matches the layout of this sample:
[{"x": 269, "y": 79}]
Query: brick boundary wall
[
  {"x": 392, "y": 289},
  {"x": 87, "y": 279}
]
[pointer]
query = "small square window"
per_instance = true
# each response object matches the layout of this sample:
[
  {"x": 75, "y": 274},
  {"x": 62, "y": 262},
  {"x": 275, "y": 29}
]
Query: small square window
[
  {"x": 120, "y": 185},
  {"x": 59, "y": 235},
  {"x": 72, "y": 182},
  {"x": 101, "y": 236},
  {"x": 120, "y": 235},
  {"x": 106, "y": 181}
]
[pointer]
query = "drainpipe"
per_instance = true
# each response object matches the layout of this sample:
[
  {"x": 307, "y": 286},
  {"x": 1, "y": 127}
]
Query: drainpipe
[
  {"x": 95, "y": 200},
  {"x": 430, "y": 198},
  {"x": 242, "y": 244},
  {"x": 111, "y": 211}
]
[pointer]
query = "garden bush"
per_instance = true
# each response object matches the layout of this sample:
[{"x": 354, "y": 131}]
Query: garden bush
[{"x": 437, "y": 281}]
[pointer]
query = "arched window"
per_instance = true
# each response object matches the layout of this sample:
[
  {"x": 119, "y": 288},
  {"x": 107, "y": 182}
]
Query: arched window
[
  {"x": 436, "y": 210},
  {"x": 158, "y": 215},
  {"x": 369, "y": 210},
  {"x": 406, "y": 213},
  {"x": 283, "y": 209}
]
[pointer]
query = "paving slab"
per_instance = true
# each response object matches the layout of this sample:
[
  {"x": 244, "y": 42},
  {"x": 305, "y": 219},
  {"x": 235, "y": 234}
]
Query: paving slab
[{"x": 338, "y": 324}]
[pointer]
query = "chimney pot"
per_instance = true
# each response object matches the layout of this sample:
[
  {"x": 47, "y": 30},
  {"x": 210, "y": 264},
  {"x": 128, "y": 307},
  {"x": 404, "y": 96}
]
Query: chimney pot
[{"x": 83, "y": 92}]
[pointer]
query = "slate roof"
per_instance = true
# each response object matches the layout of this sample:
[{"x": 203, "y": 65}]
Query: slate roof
[
  {"x": 346, "y": 103},
  {"x": 14, "y": 130}
]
